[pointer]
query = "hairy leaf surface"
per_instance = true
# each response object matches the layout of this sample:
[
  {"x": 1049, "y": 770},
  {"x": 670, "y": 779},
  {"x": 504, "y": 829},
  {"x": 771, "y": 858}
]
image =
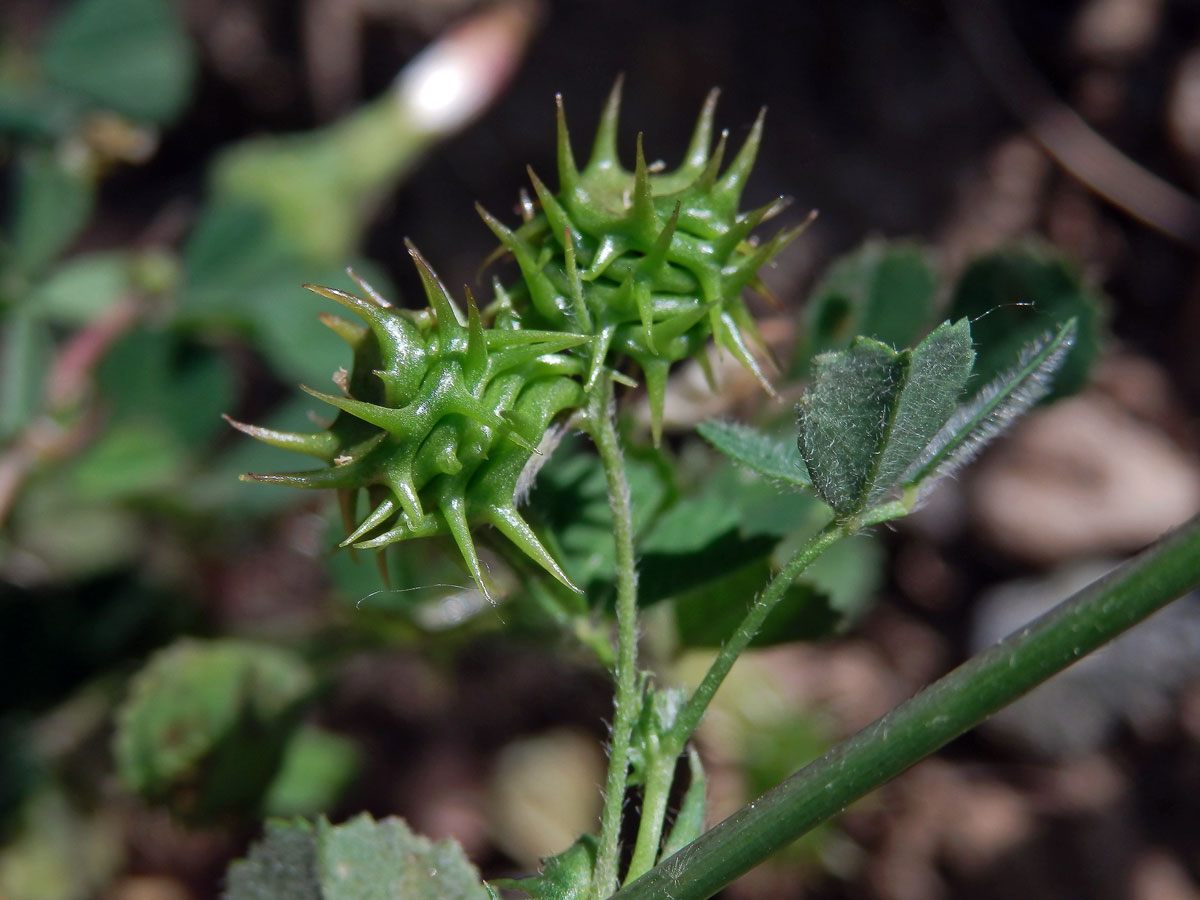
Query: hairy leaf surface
[
  {"x": 870, "y": 412},
  {"x": 990, "y": 411}
]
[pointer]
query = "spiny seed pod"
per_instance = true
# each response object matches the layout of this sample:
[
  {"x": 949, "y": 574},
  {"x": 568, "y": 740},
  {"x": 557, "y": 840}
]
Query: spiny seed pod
[
  {"x": 649, "y": 264},
  {"x": 439, "y": 418},
  {"x": 437, "y": 422}
]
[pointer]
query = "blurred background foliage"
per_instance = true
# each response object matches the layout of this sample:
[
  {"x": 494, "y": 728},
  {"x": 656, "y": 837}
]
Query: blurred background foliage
[{"x": 184, "y": 654}]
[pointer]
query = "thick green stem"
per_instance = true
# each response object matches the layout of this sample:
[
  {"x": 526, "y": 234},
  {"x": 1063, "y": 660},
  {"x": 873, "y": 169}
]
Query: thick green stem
[
  {"x": 941, "y": 712},
  {"x": 602, "y": 427}
]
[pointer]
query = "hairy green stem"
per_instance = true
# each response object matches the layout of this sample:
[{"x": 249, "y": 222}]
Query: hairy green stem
[
  {"x": 601, "y": 425},
  {"x": 941, "y": 712},
  {"x": 659, "y": 777},
  {"x": 691, "y": 713}
]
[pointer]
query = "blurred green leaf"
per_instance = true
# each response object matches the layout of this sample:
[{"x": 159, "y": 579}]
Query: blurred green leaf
[
  {"x": 33, "y": 111},
  {"x": 231, "y": 246},
  {"x": 53, "y": 203},
  {"x": 72, "y": 539},
  {"x": 320, "y": 187},
  {"x": 668, "y": 573},
  {"x": 206, "y": 723},
  {"x": 883, "y": 290},
  {"x": 359, "y": 860},
  {"x": 58, "y": 852},
  {"x": 178, "y": 388},
  {"x": 1017, "y": 295},
  {"x": 239, "y": 271},
  {"x": 26, "y": 352},
  {"x": 20, "y": 769},
  {"x": 707, "y": 616},
  {"x": 729, "y": 517},
  {"x": 690, "y": 524},
  {"x": 849, "y": 574},
  {"x": 282, "y": 864},
  {"x": 317, "y": 768},
  {"x": 82, "y": 289},
  {"x": 762, "y": 508},
  {"x": 570, "y": 499},
  {"x": 773, "y": 750},
  {"x": 771, "y": 525},
  {"x": 132, "y": 459},
  {"x": 129, "y": 56}
]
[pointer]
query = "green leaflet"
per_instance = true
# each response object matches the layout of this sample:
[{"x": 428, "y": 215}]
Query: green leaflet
[
  {"x": 843, "y": 419},
  {"x": 774, "y": 460},
  {"x": 990, "y": 411},
  {"x": 358, "y": 860},
  {"x": 875, "y": 423},
  {"x": 936, "y": 372},
  {"x": 870, "y": 411}
]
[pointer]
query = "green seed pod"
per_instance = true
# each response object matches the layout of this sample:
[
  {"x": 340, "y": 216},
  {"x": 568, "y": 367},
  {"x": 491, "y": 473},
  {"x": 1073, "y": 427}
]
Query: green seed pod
[
  {"x": 439, "y": 418},
  {"x": 437, "y": 422},
  {"x": 650, "y": 264}
]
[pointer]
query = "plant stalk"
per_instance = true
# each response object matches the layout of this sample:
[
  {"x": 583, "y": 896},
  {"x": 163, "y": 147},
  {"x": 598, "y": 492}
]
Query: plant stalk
[
  {"x": 935, "y": 716},
  {"x": 693, "y": 711},
  {"x": 656, "y": 793},
  {"x": 658, "y": 780},
  {"x": 602, "y": 427}
]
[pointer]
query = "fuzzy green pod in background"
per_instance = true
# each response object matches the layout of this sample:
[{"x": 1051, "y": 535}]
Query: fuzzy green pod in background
[{"x": 442, "y": 415}]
